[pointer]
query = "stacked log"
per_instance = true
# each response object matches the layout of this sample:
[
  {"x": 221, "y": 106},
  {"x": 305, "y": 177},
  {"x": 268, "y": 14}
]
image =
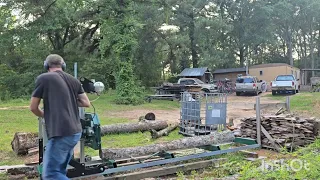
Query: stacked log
[{"x": 286, "y": 131}]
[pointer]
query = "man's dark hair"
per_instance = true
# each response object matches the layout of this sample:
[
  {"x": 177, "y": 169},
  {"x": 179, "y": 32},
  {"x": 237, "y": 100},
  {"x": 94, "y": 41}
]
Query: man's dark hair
[{"x": 54, "y": 61}]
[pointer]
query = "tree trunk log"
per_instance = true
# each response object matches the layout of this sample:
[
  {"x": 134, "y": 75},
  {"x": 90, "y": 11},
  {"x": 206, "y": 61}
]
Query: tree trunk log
[
  {"x": 163, "y": 132},
  {"x": 185, "y": 143},
  {"x": 22, "y": 141},
  {"x": 133, "y": 127}
]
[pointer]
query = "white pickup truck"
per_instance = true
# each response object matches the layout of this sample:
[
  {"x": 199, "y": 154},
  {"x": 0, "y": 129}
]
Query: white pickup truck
[{"x": 285, "y": 84}]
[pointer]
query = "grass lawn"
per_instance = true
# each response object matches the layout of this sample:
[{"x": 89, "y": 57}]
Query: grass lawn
[
  {"x": 304, "y": 102},
  {"x": 16, "y": 117}
]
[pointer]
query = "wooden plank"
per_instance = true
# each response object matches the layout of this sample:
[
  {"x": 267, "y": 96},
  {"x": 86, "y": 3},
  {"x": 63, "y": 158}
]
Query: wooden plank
[
  {"x": 265, "y": 132},
  {"x": 163, "y": 95},
  {"x": 162, "y": 171},
  {"x": 250, "y": 154},
  {"x": 5, "y": 168}
]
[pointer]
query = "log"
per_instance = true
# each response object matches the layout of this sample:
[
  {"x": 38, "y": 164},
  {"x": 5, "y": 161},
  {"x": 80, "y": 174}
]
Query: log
[
  {"x": 133, "y": 127},
  {"x": 184, "y": 143},
  {"x": 22, "y": 141},
  {"x": 163, "y": 132}
]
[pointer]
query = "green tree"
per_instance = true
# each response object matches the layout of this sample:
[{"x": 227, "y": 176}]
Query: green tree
[{"x": 119, "y": 43}]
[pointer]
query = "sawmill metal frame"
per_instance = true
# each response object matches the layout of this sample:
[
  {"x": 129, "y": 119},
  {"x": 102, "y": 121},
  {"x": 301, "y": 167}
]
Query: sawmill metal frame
[
  {"x": 164, "y": 158},
  {"x": 202, "y": 113},
  {"x": 85, "y": 167}
]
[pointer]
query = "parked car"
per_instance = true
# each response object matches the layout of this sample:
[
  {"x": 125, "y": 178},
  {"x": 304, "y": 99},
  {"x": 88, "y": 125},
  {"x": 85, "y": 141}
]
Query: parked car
[
  {"x": 208, "y": 88},
  {"x": 249, "y": 84},
  {"x": 285, "y": 84}
]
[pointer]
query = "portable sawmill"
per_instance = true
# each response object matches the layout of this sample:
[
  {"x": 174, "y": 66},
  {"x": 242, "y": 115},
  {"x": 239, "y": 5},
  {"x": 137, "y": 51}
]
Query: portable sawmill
[{"x": 86, "y": 167}]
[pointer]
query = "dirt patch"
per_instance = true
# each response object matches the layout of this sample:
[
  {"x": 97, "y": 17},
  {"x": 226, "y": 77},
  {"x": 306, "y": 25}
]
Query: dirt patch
[
  {"x": 238, "y": 107},
  {"x": 273, "y": 155},
  {"x": 168, "y": 115},
  {"x": 243, "y": 106}
]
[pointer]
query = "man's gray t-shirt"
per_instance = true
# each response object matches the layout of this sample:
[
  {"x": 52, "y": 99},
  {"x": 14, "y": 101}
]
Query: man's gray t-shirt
[{"x": 59, "y": 91}]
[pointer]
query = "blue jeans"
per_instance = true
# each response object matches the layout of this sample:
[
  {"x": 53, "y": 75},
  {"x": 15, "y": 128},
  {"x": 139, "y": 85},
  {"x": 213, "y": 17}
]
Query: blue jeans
[{"x": 57, "y": 155}]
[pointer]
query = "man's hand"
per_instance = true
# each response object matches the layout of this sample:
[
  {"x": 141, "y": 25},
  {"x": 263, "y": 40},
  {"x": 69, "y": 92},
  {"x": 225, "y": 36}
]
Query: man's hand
[
  {"x": 34, "y": 107},
  {"x": 83, "y": 100}
]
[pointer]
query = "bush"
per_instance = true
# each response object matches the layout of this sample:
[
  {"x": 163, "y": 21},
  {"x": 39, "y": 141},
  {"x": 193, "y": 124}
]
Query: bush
[
  {"x": 173, "y": 79},
  {"x": 129, "y": 90}
]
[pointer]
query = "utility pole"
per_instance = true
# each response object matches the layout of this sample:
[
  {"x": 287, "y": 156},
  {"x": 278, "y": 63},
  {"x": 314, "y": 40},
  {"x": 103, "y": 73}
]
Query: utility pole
[
  {"x": 247, "y": 67},
  {"x": 78, "y": 150}
]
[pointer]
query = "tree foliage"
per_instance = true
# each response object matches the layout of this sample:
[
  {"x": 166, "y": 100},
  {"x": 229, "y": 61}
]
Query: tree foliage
[{"x": 156, "y": 38}]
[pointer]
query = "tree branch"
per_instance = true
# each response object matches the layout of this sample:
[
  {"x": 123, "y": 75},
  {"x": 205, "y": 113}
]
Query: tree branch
[
  {"x": 163, "y": 37},
  {"x": 65, "y": 36},
  {"x": 71, "y": 39},
  {"x": 48, "y": 7},
  {"x": 51, "y": 40}
]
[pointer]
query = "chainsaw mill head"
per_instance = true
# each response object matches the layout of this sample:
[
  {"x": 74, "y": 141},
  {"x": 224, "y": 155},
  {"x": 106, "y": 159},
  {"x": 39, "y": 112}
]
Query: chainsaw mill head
[
  {"x": 87, "y": 85},
  {"x": 91, "y": 87}
]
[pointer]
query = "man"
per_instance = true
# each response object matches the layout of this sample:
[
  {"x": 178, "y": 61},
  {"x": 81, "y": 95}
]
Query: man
[{"x": 62, "y": 94}]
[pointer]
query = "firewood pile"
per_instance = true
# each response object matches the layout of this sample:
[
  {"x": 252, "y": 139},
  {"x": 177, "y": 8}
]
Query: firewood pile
[{"x": 287, "y": 131}]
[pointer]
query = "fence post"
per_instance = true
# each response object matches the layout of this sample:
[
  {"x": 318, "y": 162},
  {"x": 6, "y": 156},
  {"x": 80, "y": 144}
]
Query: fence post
[
  {"x": 258, "y": 118},
  {"x": 288, "y": 103}
]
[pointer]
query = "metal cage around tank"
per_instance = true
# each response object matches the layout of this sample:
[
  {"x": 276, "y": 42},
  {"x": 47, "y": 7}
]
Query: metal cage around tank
[{"x": 202, "y": 113}]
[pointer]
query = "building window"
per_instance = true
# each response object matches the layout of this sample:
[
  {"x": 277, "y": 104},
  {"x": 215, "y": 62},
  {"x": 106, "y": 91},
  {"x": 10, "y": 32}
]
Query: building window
[{"x": 261, "y": 73}]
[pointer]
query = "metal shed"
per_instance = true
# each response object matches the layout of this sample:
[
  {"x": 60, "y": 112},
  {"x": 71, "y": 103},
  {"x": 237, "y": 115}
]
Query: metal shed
[
  {"x": 230, "y": 73},
  {"x": 202, "y": 73}
]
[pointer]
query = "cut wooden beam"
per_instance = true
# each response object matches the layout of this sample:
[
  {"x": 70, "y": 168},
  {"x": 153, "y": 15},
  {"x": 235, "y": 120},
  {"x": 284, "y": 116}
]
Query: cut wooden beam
[
  {"x": 184, "y": 143},
  {"x": 280, "y": 111},
  {"x": 33, "y": 150},
  {"x": 275, "y": 145},
  {"x": 249, "y": 154}
]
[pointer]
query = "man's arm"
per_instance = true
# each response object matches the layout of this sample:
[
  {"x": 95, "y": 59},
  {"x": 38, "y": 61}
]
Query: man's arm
[
  {"x": 83, "y": 100},
  {"x": 34, "y": 107},
  {"x": 36, "y": 98}
]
